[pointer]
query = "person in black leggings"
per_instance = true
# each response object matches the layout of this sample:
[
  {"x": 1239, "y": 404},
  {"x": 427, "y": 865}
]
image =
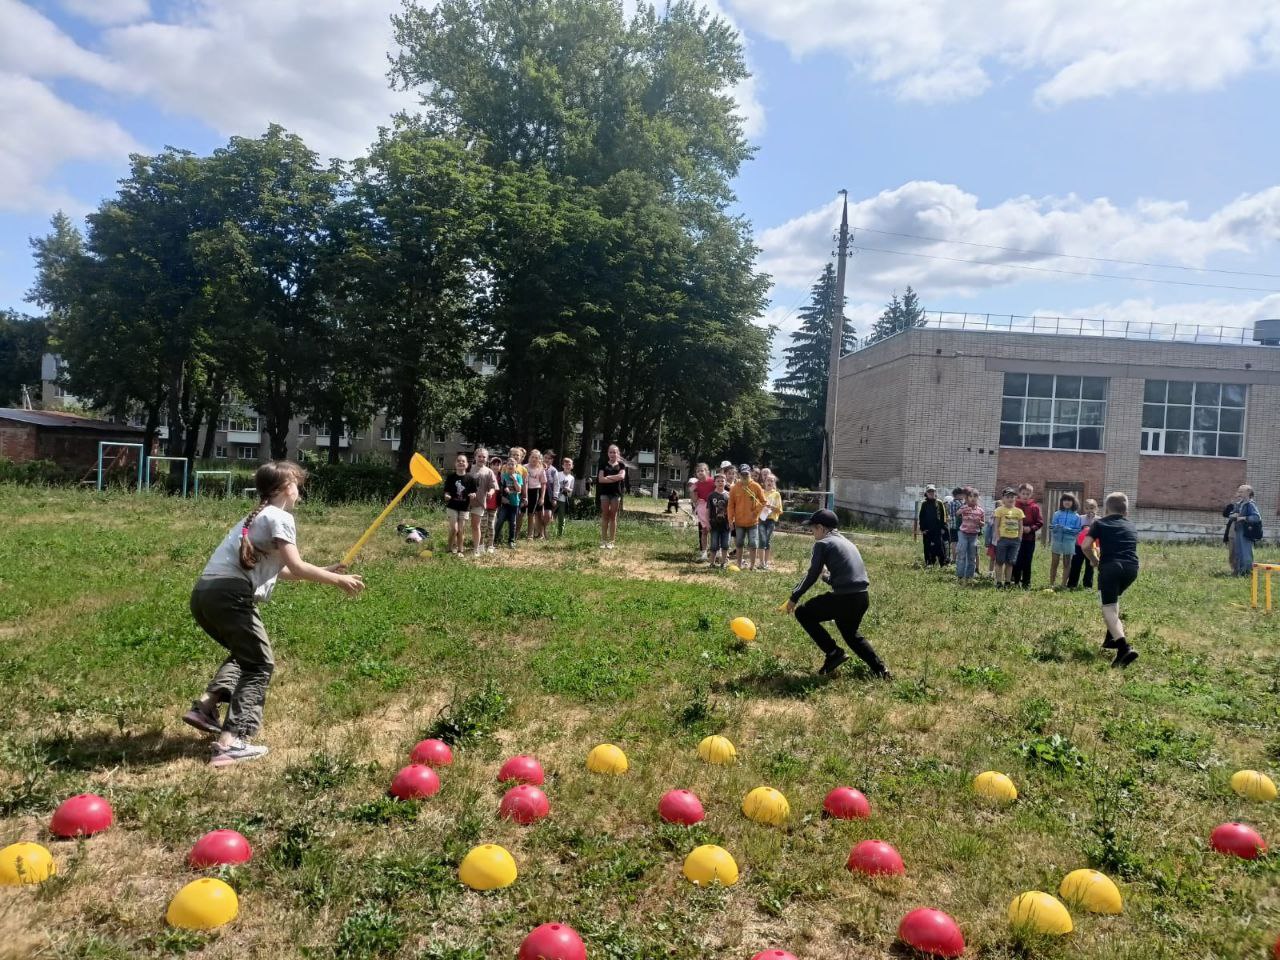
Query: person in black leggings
[{"x": 1116, "y": 557}]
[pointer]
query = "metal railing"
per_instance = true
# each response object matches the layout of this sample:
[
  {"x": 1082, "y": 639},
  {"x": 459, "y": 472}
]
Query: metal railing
[{"x": 1074, "y": 327}]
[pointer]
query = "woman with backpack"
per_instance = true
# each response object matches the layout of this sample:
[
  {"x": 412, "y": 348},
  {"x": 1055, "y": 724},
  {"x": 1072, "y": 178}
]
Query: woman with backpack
[{"x": 1244, "y": 529}]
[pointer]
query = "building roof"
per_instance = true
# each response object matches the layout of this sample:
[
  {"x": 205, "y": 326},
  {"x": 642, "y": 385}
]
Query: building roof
[{"x": 57, "y": 420}]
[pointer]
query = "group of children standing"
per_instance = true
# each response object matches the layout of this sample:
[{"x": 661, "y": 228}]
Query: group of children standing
[
  {"x": 733, "y": 505},
  {"x": 494, "y": 494},
  {"x": 1078, "y": 541},
  {"x": 953, "y": 527}
]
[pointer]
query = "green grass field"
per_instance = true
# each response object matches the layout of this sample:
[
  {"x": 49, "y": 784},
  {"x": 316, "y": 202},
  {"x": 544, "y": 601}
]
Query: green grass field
[{"x": 562, "y": 646}]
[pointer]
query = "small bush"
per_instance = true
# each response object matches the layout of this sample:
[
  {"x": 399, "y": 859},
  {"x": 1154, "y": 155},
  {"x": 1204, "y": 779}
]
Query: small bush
[
  {"x": 1034, "y": 714},
  {"x": 320, "y": 771},
  {"x": 990, "y": 677},
  {"x": 36, "y": 473},
  {"x": 471, "y": 719},
  {"x": 343, "y": 482},
  {"x": 1056, "y": 752}
]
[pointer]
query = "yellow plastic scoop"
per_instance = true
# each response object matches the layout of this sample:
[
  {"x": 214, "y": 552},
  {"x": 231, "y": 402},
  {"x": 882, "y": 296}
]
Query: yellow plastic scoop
[{"x": 420, "y": 471}]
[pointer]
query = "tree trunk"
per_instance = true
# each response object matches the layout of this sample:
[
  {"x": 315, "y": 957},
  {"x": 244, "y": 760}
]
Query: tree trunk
[
  {"x": 215, "y": 414},
  {"x": 153, "y": 425},
  {"x": 410, "y": 425},
  {"x": 176, "y": 423},
  {"x": 335, "y": 435},
  {"x": 193, "y": 435},
  {"x": 586, "y": 467}
]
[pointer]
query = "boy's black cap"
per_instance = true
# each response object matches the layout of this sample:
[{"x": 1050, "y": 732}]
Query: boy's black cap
[{"x": 823, "y": 518}]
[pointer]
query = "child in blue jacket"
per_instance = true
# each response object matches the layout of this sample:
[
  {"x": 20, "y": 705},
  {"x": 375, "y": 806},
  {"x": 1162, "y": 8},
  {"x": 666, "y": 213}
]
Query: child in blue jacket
[{"x": 1064, "y": 527}]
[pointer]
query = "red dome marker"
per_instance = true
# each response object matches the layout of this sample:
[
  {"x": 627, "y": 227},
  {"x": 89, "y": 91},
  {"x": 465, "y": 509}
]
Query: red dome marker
[
  {"x": 415, "y": 782},
  {"x": 1238, "y": 840},
  {"x": 846, "y": 803},
  {"x": 774, "y": 955},
  {"x": 524, "y": 804},
  {"x": 219, "y": 848},
  {"x": 552, "y": 941},
  {"x": 81, "y": 816},
  {"x": 682, "y": 807},
  {"x": 431, "y": 753},
  {"x": 522, "y": 769},
  {"x": 876, "y": 859},
  {"x": 931, "y": 931}
]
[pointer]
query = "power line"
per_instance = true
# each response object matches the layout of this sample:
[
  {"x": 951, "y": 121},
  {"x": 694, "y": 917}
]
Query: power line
[
  {"x": 1074, "y": 256},
  {"x": 1069, "y": 273}
]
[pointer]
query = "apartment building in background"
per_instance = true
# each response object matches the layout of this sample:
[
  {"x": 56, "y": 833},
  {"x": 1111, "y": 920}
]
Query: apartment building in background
[{"x": 1176, "y": 418}]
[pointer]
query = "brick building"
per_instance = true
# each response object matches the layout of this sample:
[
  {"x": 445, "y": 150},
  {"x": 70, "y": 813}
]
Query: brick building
[
  {"x": 1176, "y": 424},
  {"x": 66, "y": 439}
]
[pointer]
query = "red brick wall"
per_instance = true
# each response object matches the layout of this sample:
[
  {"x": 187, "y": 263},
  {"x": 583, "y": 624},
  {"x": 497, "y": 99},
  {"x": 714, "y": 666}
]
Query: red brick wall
[
  {"x": 17, "y": 441},
  {"x": 1188, "y": 483},
  {"x": 1045, "y": 467}
]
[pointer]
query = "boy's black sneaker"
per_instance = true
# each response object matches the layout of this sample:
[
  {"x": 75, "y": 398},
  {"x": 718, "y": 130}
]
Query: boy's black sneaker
[
  {"x": 1124, "y": 657},
  {"x": 832, "y": 663},
  {"x": 1109, "y": 642}
]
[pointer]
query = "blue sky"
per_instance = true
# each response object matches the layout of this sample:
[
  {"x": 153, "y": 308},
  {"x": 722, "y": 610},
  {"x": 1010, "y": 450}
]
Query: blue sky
[{"x": 1078, "y": 128}]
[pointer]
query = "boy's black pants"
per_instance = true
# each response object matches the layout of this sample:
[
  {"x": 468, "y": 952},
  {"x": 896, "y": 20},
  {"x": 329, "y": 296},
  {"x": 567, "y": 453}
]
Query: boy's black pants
[
  {"x": 1077, "y": 561},
  {"x": 935, "y": 546},
  {"x": 1022, "y": 569},
  {"x": 847, "y": 610}
]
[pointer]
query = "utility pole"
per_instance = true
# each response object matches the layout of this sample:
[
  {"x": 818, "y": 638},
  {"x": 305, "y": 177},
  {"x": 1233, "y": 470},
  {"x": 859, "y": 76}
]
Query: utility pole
[
  {"x": 833, "y": 359},
  {"x": 657, "y": 459}
]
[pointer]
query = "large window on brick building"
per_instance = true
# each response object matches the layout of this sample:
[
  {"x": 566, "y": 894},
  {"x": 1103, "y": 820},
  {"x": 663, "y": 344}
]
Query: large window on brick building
[
  {"x": 1051, "y": 412},
  {"x": 1193, "y": 419}
]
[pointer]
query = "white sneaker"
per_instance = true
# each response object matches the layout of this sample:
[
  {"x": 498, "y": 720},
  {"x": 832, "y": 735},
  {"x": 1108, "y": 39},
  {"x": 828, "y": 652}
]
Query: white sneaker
[
  {"x": 703, "y": 556},
  {"x": 488, "y": 549},
  {"x": 604, "y": 545},
  {"x": 611, "y": 544},
  {"x": 236, "y": 752}
]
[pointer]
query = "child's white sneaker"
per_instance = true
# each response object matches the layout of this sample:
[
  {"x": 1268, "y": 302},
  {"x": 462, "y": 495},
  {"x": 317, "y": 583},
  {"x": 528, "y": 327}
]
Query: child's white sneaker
[{"x": 236, "y": 752}]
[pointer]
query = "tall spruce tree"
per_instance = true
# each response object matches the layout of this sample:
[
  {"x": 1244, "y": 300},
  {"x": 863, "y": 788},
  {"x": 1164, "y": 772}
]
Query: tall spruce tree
[
  {"x": 801, "y": 393},
  {"x": 900, "y": 313}
]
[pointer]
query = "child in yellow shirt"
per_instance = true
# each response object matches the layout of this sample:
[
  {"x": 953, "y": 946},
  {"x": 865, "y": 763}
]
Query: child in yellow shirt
[{"x": 1008, "y": 524}]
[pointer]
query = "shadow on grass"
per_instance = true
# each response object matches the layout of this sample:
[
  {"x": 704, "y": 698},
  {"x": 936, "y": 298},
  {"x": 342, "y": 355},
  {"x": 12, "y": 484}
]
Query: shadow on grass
[
  {"x": 684, "y": 557},
  {"x": 103, "y": 750},
  {"x": 773, "y": 683}
]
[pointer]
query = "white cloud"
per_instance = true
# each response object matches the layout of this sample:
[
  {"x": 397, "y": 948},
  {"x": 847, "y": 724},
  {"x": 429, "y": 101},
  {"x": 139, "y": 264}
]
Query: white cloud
[
  {"x": 1215, "y": 315},
  {"x": 939, "y": 50},
  {"x": 43, "y": 132},
  {"x": 32, "y": 45},
  {"x": 316, "y": 66},
  {"x": 1150, "y": 230},
  {"x": 108, "y": 12}
]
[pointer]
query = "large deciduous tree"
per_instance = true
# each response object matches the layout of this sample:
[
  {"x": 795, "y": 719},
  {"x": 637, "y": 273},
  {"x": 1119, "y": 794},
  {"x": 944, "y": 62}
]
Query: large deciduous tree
[
  {"x": 414, "y": 250},
  {"x": 22, "y": 342},
  {"x": 621, "y": 291}
]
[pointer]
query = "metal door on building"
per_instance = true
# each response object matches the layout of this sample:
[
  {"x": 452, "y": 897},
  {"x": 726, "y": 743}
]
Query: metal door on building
[{"x": 1053, "y": 491}]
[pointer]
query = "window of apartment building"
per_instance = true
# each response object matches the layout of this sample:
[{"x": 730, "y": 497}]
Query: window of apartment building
[
  {"x": 1051, "y": 412},
  {"x": 646, "y": 473},
  {"x": 219, "y": 452},
  {"x": 675, "y": 473},
  {"x": 1193, "y": 419},
  {"x": 390, "y": 433},
  {"x": 595, "y": 445},
  {"x": 247, "y": 451},
  {"x": 439, "y": 437},
  {"x": 356, "y": 457},
  {"x": 241, "y": 422},
  {"x": 304, "y": 429}
]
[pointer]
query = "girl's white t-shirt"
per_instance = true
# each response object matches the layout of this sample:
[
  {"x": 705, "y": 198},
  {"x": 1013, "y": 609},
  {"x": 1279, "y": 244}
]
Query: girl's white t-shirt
[{"x": 270, "y": 525}]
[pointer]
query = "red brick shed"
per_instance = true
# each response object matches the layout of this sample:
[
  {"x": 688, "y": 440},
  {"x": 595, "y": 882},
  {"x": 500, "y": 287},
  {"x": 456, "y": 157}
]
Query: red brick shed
[{"x": 68, "y": 440}]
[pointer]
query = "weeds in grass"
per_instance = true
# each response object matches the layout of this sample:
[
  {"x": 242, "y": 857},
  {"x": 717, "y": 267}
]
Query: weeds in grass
[
  {"x": 321, "y": 771},
  {"x": 369, "y": 931},
  {"x": 1055, "y": 753},
  {"x": 1113, "y": 845},
  {"x": 29, "y": 784},
  {"x": 384, "y": 810},
  {"x": 1035, "y": 714},
  {"x": 1061, "y": 645},
  {"x": 470, "y": 720},
  {"x": 986, "y": 676}
]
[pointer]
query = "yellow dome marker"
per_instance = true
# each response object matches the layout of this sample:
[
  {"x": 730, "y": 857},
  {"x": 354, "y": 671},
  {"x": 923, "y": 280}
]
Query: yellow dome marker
[
  {"x": 487, "y": 867},
  {"x": 23, "y": 863},
  {"x": 1039, "y": 912},
  {"x": 1253, "y": 785},
  {"x": 606, "y": 758},
  {"x": 766, "y": 805},
  {"x": 1092, "y": 891},
  {"x": 710, "y": 864},
  {"x": 719, "y": 751},
  {"x": 995, "y": 786},
  {"x": 203, "y": 904}
]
